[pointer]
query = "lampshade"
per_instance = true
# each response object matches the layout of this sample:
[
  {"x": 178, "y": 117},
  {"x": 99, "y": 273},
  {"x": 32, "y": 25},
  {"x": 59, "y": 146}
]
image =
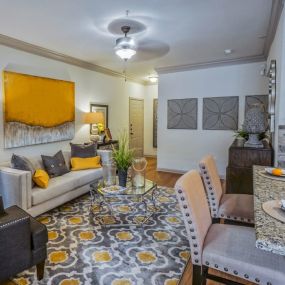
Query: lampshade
[{"x": 93, "y": 118}]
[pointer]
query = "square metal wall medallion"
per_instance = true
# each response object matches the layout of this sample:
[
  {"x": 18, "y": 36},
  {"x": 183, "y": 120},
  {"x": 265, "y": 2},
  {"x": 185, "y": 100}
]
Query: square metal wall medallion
[
  {"x": 182, "y": 113},
  {"x": 220, "y": 113}
]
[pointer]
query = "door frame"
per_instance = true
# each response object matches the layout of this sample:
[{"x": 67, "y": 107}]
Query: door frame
[{"x": 138, "y": 99}]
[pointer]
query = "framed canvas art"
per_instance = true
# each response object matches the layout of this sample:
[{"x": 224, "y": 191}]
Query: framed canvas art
[{"x": 37, "y": 109}]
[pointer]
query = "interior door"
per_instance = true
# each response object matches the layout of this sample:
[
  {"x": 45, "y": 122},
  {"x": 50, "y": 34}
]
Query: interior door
[{"x": 136, "y": 130}]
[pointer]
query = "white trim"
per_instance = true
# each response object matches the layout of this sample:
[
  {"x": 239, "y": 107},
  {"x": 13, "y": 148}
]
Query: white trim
[
  {"x": 209, "y": 64},
  {"x": 37, "y": 50}
]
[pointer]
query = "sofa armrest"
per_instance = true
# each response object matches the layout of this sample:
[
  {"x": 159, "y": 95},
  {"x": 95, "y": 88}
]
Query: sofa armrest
[
  {"x": 15, "y": 242},
  {"x": 16, "y": 187}
]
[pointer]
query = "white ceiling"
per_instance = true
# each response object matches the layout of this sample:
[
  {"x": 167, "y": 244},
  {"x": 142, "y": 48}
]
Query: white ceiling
[{"x": 181, "y": 31}]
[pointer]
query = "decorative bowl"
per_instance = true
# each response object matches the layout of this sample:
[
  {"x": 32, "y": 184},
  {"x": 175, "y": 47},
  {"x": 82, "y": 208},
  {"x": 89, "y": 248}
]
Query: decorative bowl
[{"x": 270, "y": 170}]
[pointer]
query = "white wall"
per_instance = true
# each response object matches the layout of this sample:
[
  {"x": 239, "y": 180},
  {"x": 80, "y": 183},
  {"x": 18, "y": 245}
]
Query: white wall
[
  {"x": 277, "y": 52},
  {"x": 181, "y": 150},
  {"x": 89, "y": 87},
  {"x": 150, "y": 94}
]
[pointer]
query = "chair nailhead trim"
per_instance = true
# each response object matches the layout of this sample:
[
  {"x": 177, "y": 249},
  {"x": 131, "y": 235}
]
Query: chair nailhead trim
[
  {"x": 189, "y": 222},
  {"x": 203, "y": 167},
  {"x": 187, "y": 215},
  {"x": 246, "y": 276},
  {"x": 182, "y": 199},
  {"x": 207, "y": 263},
  {"x": 210, "y": 188},
  {"x": 196, "y": 260},
  {"x": 179, "y": 191},
  {"x": 269, "y": 283},
  {"x": 185, "y": 207},
  {"x": 257, "y": 280},
  {"x": 195, "y": 245},
  {"x": 193, "y": 237},
  {"x": 195, "y": 253},
  {"x": 235, "y": 272},
  {"x": 226, "y": 269},
  {"x": 216, "y": 266},
  {"x": 191, "y": 230}
]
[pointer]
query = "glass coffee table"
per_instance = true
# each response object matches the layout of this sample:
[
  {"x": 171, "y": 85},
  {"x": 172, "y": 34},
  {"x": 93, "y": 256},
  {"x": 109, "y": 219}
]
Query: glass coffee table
[{"x": 142, "y": 198}]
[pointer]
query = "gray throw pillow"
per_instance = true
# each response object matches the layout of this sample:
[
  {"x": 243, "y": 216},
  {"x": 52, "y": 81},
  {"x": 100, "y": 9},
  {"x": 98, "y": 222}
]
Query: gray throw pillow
[
  {"x": 83, "y": 150},
  {"x": 22, "y": 163},
  {"x": 55, "y": 165}
]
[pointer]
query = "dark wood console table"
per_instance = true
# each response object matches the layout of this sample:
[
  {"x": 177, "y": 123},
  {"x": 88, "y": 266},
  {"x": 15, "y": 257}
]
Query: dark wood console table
[
  {"x": 107, "y": 145},
  {"x": 239, "y": 171}
]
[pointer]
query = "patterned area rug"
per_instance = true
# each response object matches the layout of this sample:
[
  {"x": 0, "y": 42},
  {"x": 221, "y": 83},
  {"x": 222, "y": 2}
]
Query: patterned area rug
[{"x": 79, "y": 252}]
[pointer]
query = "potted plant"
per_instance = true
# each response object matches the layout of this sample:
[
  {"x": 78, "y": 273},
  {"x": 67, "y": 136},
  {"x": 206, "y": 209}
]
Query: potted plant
[
  {"x": 241, "y": 136},
  {"x": 123, "y": 157}
]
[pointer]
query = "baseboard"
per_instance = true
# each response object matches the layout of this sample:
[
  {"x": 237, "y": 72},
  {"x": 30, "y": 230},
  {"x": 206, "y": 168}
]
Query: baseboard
[
  {"x": 150, "y": 155},
  {"x": 170, "y": 170}
]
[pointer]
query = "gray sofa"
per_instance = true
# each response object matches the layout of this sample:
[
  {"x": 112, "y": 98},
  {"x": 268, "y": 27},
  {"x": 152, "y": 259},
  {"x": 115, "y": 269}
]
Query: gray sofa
[{"x": 16, "y": 187}]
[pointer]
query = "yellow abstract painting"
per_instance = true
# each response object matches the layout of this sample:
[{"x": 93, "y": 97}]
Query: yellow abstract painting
[{"x": 37, "y": 109}]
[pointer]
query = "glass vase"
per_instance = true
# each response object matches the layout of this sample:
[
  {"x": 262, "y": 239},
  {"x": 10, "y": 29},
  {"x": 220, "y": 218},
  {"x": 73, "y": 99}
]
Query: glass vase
[
  {"x": 138, "y": 172},
  {"x": 109, "y": 174}
]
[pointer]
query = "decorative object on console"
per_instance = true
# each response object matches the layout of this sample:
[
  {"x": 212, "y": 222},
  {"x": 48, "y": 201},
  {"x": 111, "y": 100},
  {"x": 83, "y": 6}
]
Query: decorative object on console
[
  {"x": 255, "y": 123},
  {"x": 138, "y": 172},
  {"x": 272, "y": 95},
  {"x": 83, "y": 150},
  {"x": 155, "y": 105},
  {"x": 182, "y": 113},
  {"x": 28, "y": 101},
  {"x": 55, "y": 165},
  {"x": 108, "y": 135},
  {"x": 123, "y": 157},
  {"x": 220, "y": 113}
]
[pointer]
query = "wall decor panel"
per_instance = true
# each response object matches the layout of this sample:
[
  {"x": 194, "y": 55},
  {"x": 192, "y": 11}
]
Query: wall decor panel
[
  {"x": 37, "y": 109},
  {"x": 220, "y": 113},
  {"x": 182, "y": 113},
  {"x": 256, "y": 99}
]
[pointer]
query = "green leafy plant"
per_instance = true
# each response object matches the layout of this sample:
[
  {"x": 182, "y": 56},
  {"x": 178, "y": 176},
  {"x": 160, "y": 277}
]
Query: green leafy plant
[
  {"x": 123, "y": 156},
  {"x": 241, "y": 134}
]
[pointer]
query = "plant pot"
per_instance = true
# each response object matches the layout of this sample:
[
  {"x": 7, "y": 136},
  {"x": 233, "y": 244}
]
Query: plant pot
[{"x": 123, "y": 175}]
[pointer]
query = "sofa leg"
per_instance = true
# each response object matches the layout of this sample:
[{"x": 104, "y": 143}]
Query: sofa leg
[
  {"x": 40, "y": 270},
  {"x": 197, "y": 277}
]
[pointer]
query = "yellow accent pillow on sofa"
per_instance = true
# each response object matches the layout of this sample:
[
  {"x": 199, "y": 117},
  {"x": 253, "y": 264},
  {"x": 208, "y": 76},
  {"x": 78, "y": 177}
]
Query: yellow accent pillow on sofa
[
  {"x": 78, "y": 163},
  {"x": 41, "y": 178}
]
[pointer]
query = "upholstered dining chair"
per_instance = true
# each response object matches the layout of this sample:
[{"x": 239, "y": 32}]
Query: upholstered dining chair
[
  {"x": 233, "y": 207},
  {"x": 22, "y": 242},
  {"x": 226, "y": 248}
]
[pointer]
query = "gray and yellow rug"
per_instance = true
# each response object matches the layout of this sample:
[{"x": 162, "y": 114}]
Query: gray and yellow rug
[{"x": 81, "y": 253}]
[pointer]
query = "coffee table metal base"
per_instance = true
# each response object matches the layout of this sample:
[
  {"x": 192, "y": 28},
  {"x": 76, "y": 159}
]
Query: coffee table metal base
[{"x": 99, "y": 200}]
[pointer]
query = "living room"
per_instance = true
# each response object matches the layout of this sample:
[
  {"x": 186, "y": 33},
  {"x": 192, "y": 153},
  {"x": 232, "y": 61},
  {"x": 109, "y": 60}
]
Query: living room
[{"x": 190, "y": 95}]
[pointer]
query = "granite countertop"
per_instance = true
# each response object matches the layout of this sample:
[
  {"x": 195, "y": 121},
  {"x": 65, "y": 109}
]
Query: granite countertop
[{"x": 270, "y": 233}]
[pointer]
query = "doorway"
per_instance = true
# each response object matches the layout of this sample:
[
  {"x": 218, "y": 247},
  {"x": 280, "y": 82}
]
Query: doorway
[{"x": 136, "y": 125}]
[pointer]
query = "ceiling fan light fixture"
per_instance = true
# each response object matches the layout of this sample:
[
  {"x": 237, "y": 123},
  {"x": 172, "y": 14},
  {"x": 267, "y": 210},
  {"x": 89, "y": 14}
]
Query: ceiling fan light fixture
[
  {"x": 125, "y": 53},
  {"x": 125, "y": 47}
]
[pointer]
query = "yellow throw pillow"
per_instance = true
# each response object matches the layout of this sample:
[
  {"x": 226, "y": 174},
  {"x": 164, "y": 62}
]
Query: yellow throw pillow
[
  {"x": 78, "y": 163},
  {"x": 41, "y": 178}
]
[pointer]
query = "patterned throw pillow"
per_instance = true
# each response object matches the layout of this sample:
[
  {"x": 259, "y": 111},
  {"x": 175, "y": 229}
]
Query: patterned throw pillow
[
  {"x": 22, "y": 163},
  {"x": 83, "y": 150},
  {"x": 55, "y": 165}
]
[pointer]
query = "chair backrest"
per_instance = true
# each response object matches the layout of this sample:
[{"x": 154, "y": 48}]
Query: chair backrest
[
  {"x": 195, "y": 210},
  {"x": 212, "y": 183}
]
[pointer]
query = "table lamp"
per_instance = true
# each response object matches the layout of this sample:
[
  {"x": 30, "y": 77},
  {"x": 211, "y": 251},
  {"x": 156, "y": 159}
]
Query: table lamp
[{"x": 93, "y": 119}]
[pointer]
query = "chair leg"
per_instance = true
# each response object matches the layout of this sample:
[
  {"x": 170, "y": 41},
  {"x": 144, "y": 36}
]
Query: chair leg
[
  {"x": 40, "y": 270},
  {"x": 197, "y": 278}
]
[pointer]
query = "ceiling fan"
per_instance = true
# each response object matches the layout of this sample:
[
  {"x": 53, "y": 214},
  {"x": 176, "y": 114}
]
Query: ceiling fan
[{"x": 125, "y": 46}]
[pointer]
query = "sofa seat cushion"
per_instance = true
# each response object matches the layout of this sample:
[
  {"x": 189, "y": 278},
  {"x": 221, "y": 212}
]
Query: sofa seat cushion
[
  {"x": 65, "y": 183},
  {"x": 232, "y": 249}
]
